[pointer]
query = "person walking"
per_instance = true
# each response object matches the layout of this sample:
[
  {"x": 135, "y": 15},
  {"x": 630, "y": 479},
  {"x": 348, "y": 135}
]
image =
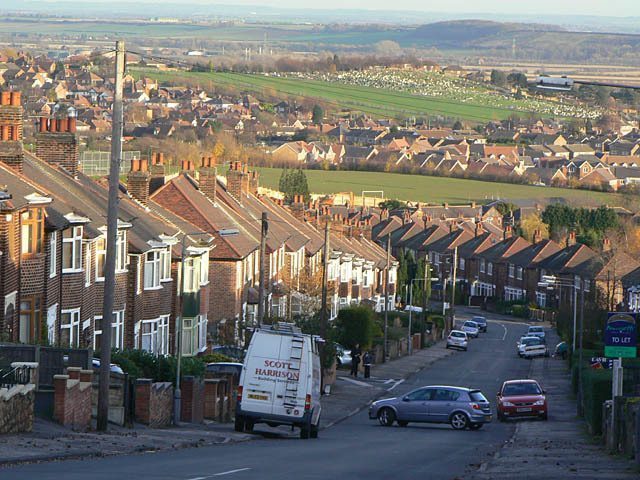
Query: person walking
[
  {"x": 366, "y": 362},
  {"x": 355, "y": 359}
]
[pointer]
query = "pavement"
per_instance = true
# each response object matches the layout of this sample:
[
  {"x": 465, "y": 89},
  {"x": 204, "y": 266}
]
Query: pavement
[{"x": 559, "y": 447}]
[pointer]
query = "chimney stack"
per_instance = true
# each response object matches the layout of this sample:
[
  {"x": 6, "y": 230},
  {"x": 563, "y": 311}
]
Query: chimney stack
[
  {"x": 208, "y": 178},
  {"x": 138, "y": 180},
  {"x": 606, "y": 244},
  {"x": 508, "y": 232},
  {"x": 187, "y": 166},
  {"x": 57, "y": 143},
  {"x": 479, "y": 229},
  {"x": 571, "y": 239},
  {"x": 11, "y": 152},
  {"x": 236, "y": 180},
  {"x": 537, "y": 236},
  {"x": 297, "y": 207},
  {"x": 254, "y": 182}
]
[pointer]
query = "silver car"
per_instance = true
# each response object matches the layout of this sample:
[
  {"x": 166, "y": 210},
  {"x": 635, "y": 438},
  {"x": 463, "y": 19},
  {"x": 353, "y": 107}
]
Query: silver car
[
  {"x": 457, "y": 339},
  {"x": 458, "y": 406},
  {"x": 471, "y": 328}
]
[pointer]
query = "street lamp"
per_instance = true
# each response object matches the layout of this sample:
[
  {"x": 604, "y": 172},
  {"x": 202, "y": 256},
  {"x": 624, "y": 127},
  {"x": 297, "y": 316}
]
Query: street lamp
[{"x": 177, "y": 397}]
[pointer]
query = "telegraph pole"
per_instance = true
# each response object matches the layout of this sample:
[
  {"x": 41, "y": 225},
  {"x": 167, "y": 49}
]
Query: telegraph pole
[
  {"x": 264, "y": 230},
  {"x": 325, "y": 265},
  {"x": 452, "y": 308},
  {"x": 386, "y": 299},
  {"x": 112, "y": 236}
]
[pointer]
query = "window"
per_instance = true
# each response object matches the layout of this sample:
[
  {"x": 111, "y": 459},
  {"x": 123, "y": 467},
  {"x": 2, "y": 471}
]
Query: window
[
  {"x": 152, "y": 265},
  {"x": 187, "y": 336},
  {"x": 586, "y": 285},
  {"x": 53, "y": 254},
  {"x": 70, "y": 328},
  {"x": 482, "y": 265},
  {"x": 163, "y": 335},
  {"x": 121, "y": 251},
  {"x": 191, "y": 274},
  {"x": 29, "y": 319},
  {"x": 149, "y": 335},
  {"x": 87, "y": 266},
  {"x": 424, "y": 394},
  {"x": 117, "y": 330},
  {"x": 512, "y": 269},
  {"x": 489, "y": 268},
  {"x": 72, "y": 249},
  {"x": 204, "y": 268},
  {"x": 541, "y": 299},
  {"x": 365, "y": 278},
  {"x": 461, "y": 264},
  {"x": 101, "y": 255},
  {"x": 32, "y": 231},
  {"x": 165, "y": 265},
  {"x": 437, "y": 258},
  {"x": 201, "y": 333},
  {"x": 519, "y": 273}
]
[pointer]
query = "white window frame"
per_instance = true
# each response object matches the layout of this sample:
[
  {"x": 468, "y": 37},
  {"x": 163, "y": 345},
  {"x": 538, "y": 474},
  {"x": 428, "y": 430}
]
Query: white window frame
[
  {"x": 163, "y": 335},
  {"x": 73, "y": 326},
  {"x": 165, "y": 265},
  {"x": 121, "y": 252},
  {"x": 151, "y": 280},
  {"x": 512, "y": 270},
  {"x": 461, "y": 264},
  {"x": 101, "y": 256},
  {"x": 519, "y": 273},
  {"x": 152, "y": 335},
  {"x": 53, "y": 254},
  {"x": 117, "y": 323},
  {"x": 490, "y": 269},
  {"x": 76, "y": 249},
  {"x": 482, "y": 265},
  {"x": 87, "y": 265}
]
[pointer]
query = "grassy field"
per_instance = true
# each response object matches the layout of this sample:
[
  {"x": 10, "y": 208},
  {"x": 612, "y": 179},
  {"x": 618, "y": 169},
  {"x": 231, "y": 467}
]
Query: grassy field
[
  {"x": 437, "y": 189},
  {"x": 373, "y": 101}
]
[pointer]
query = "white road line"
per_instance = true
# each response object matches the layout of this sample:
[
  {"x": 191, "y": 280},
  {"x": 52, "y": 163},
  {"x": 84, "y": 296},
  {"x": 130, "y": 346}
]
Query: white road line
[
  {"x": 505, "y": 331},
  {"x": 395, "y": 385},
  {"x": 230, "y": 472},
  {"x": 198, "y": 478}
]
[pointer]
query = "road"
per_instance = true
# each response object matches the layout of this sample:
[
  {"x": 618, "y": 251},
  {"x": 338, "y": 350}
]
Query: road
[{"x": 355, "y": 448}]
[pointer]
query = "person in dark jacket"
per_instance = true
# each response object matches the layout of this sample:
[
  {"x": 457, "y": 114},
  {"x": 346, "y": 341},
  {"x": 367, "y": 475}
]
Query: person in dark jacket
[{"x": 355, "y": 359}]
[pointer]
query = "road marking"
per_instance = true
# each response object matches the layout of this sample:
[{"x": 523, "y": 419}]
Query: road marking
[
  {"x": 505, "y": 331},
  {"x": 230, "y": 472},
  {"x": 395, "y": 385},
  {"x": 356, "y": 382}
]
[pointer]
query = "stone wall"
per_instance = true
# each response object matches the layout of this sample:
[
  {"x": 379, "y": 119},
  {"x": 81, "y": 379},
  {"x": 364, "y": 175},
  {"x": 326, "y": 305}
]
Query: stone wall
[
  {"x": 154, "y": 402},
  {"x": 16, "y": 408}
]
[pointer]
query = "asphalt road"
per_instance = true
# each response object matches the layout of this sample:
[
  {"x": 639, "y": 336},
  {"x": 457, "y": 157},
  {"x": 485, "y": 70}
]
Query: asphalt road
[{"x": 357, "y": 448}]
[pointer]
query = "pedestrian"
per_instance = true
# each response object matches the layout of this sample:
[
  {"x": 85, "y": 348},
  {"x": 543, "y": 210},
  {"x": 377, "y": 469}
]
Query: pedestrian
[
  {"x": 366, "y": 361},
  {"x": 355, "y": 359}
]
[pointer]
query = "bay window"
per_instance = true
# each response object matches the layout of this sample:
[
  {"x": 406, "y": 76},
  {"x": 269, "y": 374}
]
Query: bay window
[
  {"x": 101, "y": 256},
  {"x": 117, "y": 330},
  {"x": 70, "y": 328},
  {"x": 165, "y": 265},
  {"x": 152, "y": 267},
  {"x": 53, "y": 254},
  {"x": 32, "y": 231},
  {"x": 72, "y": 249}
]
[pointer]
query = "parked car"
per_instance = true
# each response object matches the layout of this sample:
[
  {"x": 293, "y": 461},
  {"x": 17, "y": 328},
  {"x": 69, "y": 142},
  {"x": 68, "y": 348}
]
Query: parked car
[
  {"x": 535, "y": 350},
  {"x": 562, "y": 349},
  {"x": 458, "y": 406},
  {"x": 471, "y": 328},
  {"x": 522, "y": 398},
  {"x": 527, "y": 340},
  {"x": 536, "y": 331},
  {"x": 481, "y": 321},
  {"x": 222, "y": 368},
  {"x": 233, "y": 352},
  {"x": 457, "y": 339},
  {"x": 343, "y": 356}
]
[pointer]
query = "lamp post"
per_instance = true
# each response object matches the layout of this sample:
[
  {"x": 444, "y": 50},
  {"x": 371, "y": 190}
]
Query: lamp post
[{"x": 177, "y": 395}]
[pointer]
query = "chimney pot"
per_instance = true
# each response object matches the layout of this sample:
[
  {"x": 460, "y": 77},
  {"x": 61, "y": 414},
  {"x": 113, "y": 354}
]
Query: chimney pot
[
  {"x": 5, "y": 98},
  {"x": 73, "y": 124},
  {"x": 53, "y": 125},
  {"x": 44, "y": 124},
  {"x": 14, "y": 99}
]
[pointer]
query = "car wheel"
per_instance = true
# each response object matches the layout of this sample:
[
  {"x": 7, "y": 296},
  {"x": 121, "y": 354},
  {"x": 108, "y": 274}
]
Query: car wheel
[
  {"x": 386, "y": 417},
  {"x": 459, "y": 421},
  {"x": 475, "y": 426},
  {"x": 447, "y": 347},
  {"x": 545, "y": 416},
  {"x": 465, "y": 349},
  {"x": 239, "y": 424},
  {"x": 403, "y": 423}
]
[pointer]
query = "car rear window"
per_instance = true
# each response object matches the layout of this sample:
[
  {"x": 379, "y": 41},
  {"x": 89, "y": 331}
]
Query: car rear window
[
  {"x": 458, "y": 334},
  {"x": 470, "y": 324},
  {"x": 535, "y": 329},
  {"x": 477, "y": 396}
]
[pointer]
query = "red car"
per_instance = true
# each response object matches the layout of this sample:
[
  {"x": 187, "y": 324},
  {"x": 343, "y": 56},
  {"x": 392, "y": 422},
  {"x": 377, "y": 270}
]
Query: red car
[{"x": 522, "y": 398}]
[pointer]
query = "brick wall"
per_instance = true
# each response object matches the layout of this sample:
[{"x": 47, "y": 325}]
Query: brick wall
[
  {"x": 139, "y": 180},
  {"x": 154, "y": 402},
  {"x": 9, "y": 270},
  {"x": 72, "y": 399},
  {"x": 192, "y": 405},
  {"x": 16, "y": 409},
  {"x": 58, "y": 148},
  {"x": 11, "y": 130}
]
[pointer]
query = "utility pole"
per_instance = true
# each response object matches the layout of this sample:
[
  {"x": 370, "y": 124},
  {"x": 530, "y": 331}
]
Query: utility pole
[
  {"x": 325, "y": 265},
  {"x": 454, "y": 268},
  {"x": 112, "y": 236},
  {"x": 264, "y": 230},
  {"x": 580, "y": 389},
  {"x": 386, "y": 299}
]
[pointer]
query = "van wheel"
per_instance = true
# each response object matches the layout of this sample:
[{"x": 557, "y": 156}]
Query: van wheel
[
  {"x": 386, "y": 417},
  {"x": 305, "y": 431},
  {"x": 459, "y": 421},
  {"x": 248, "y": 426},
  {"x": 313, "y": 432},
  {"x": 239, "y": 424}
]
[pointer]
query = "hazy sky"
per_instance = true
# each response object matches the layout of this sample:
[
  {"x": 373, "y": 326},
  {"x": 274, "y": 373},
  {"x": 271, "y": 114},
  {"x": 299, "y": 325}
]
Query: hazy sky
[{"x": 622, "y": 8}]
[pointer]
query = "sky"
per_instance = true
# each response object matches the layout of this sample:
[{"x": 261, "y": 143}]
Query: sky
[{"x": 622, "y": 8}]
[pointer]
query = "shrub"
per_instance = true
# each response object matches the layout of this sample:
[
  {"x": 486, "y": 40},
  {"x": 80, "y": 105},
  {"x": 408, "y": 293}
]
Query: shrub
[{"x": 356, "y": 325}]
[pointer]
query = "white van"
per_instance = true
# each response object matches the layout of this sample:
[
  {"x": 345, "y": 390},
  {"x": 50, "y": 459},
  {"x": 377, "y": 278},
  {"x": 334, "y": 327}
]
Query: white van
[{"x": 280, "y": 381}]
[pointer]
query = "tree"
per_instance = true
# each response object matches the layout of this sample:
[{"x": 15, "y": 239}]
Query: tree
[
  {"x": 532, "y": 223},
  {"x": 293, "y": 182},
  {"x": 392, "y": 204},
  {"x": 388, "y": 47},
  {"x": 458, "y": 125},
  {"x": 517, "y": 79},
  {"x": 498, "y": 78},
  {"x": 356, "y": 325},
  {"x": 317, "y": 114}
]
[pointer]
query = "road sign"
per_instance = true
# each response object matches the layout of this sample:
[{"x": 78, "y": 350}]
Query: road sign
[
  {"x": 601, "y": 362},
  {"x": 620, "y": 335}
]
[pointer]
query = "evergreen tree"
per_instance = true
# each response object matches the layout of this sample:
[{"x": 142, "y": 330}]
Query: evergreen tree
[{"x": 317, "y": 114}]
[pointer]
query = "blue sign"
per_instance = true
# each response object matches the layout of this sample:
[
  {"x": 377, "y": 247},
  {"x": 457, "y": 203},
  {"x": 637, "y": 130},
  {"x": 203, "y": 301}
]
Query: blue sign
[{"x": 620, "y": 335}]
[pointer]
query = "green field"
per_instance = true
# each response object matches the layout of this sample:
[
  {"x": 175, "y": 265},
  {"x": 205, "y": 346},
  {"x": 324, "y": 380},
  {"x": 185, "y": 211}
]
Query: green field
[
  {"x": 379, "y": 102},
  {"x": 436, "y": 189}
]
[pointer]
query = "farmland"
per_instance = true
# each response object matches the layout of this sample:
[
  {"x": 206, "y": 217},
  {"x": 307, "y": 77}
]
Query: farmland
[
  {"x": 437, "y": 189},
  {"x": 385, "y": 102}
]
